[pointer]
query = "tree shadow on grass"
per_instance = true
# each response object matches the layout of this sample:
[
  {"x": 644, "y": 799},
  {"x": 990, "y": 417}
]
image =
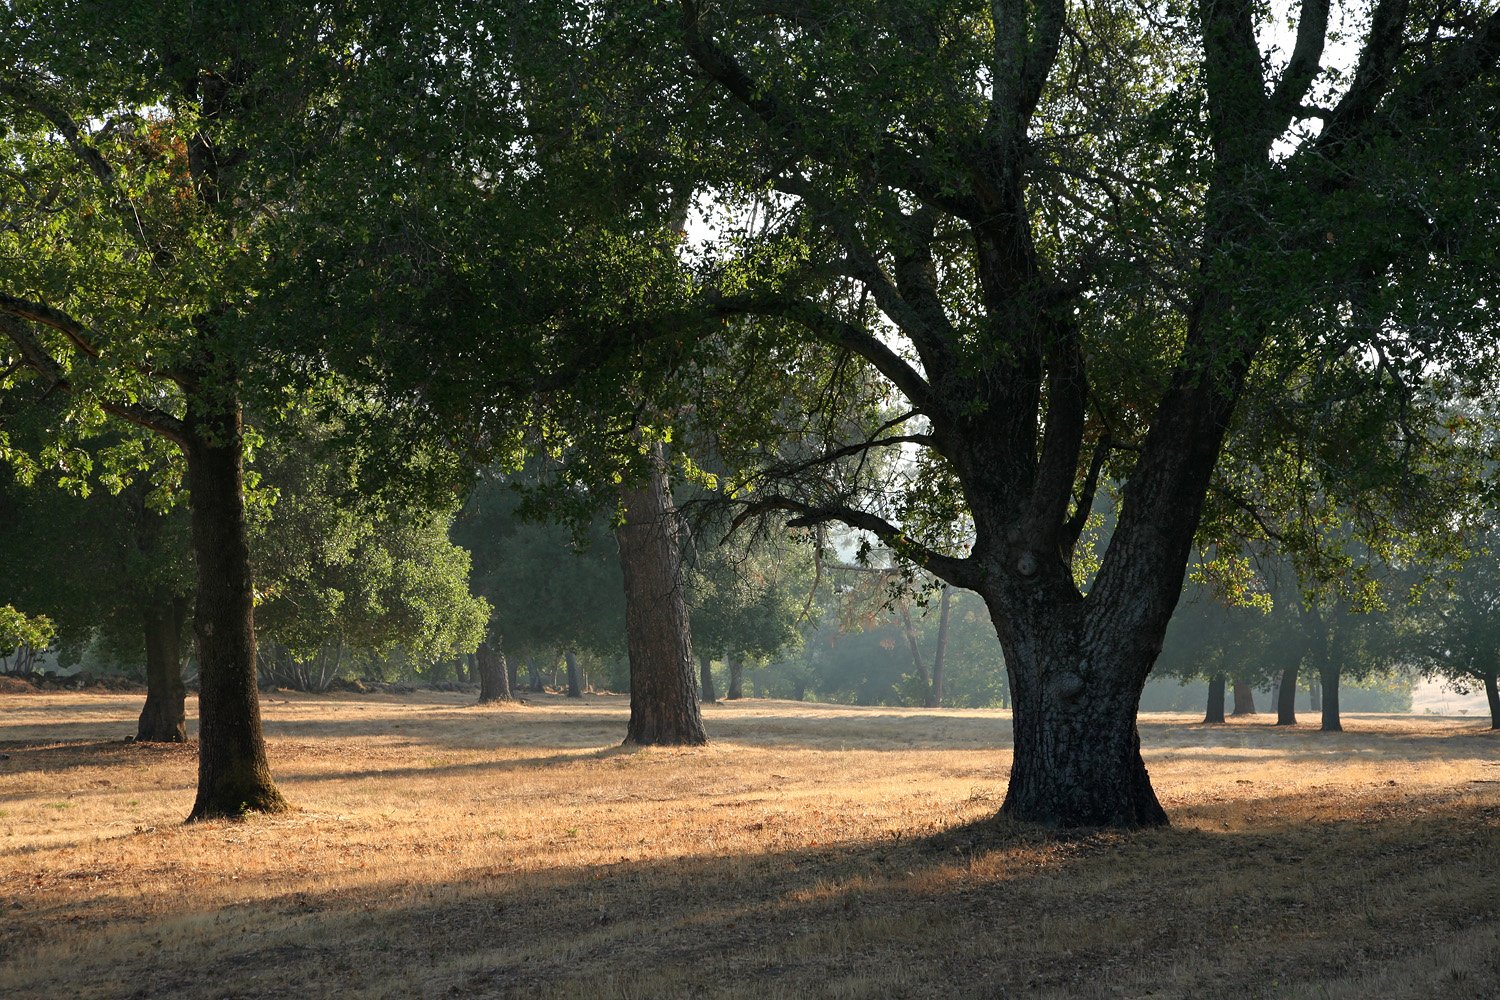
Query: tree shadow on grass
[{"x": 987, "y": 909}]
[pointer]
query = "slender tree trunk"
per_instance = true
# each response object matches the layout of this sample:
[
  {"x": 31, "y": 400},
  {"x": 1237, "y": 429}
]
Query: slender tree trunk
[
  {"x": 706, "y": 680},
  {"x": 233, "y": 774},
  {"x": 940, "y": 655},
  {"x": 1492, "y": 691},
  {"x": 512, "y": 675},
  {"x": 494, "y": 677},
  {"x": 1215, "y": 699},
  {"x": 1286, "y": 697},
  {"x": 916, "y": 653},
  {"x": 1315, "y": 696},
  {"x": 468, "y": 660},
  {"x": 663, "y": 690},
  {"x": 164, "y": 716},
  {"x": 736, "y": 667},
  {"x": 1244, "y": 699},
  {"x": 1331, "y": 721},
  {"x": 575, "y": 690},
  {"x": 535, "y": 670}
]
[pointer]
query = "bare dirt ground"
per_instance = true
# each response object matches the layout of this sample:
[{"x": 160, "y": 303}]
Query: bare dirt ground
[{"x": 446, "y": 850}]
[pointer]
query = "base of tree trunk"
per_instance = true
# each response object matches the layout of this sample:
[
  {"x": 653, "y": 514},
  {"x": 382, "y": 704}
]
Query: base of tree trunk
[
  {"x": 1331, "y": 721},
  {"x": 1286, "y": 698},
  {"x": 1492, "y": 693},
  {"x": 706, "y": 690},
  {"x": 1215, "y": 713},
  {"x": 1244, "y": 699}
]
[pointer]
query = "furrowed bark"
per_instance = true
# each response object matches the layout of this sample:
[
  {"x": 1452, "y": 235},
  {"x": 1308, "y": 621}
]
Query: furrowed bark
[
  {"x": 494, "y": 677},
  {"x": 663, "y": 688},
  {"x": 234, "y": 776}
]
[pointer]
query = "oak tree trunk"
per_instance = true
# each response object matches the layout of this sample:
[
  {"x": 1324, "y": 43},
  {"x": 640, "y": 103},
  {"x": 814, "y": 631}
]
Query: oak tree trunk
[
  {"x": 233, "y": 774},
  {"x": 663, "y": 688},
  {"x": 1330, "y": 677},
  {"x": 494, "y": 677},
  {"x": 940, "y": 655},
  {"x": 575, "y": 690},
  {"x": 1286, "y": 697},
  {"x": 1215, "y": 699},
  {"x": 736, "y": 667},
  {"x": 1244, "y": 699},
  {"x": 706, "y": 680},
  {"x": 1492, "y": 692},
  {"x": 1077, "y": 758},
  {"x": 164, "y": 716}
]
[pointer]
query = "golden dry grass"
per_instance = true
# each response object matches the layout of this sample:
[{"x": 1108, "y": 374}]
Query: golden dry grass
[{"x": 811, "y": 851}]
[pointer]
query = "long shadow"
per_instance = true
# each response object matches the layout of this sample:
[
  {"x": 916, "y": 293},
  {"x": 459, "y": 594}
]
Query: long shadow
[{"x": 986, "y": 909}]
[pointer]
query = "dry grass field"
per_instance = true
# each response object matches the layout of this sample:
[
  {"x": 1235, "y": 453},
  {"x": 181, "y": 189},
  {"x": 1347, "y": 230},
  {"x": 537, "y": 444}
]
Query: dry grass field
[{"x": 445, "y": 850}]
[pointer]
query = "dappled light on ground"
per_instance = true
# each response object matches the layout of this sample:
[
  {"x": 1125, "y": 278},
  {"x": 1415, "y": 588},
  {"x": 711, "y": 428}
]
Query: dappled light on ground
[{"x": 443, "y": 849}]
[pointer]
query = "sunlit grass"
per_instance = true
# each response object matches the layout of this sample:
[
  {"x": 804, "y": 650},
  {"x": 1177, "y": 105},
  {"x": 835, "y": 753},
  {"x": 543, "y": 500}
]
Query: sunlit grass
[{"x": 443, "y": 849}]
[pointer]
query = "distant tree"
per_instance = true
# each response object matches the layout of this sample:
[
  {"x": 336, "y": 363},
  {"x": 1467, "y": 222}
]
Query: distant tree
[{"x": 1455, "y": 634}]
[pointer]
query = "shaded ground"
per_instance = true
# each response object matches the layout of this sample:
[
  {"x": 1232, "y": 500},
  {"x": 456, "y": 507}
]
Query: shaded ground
[{"x": 448, "y": 850}]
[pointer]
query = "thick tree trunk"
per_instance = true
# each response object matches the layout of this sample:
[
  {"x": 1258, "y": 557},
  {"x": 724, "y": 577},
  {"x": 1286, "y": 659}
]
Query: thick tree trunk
[
  {"x": 1215, "y": 699},
  {"x": 535, "y": 670},
  {"x": 663, "y": 688},
  {"x": 494, "y": 675},
  {"x": 940, "y": 655},
  {"x": 1286, "y": 697},
  {"x": 233, "y": 774},
  {"x": 1077, "y": 755},
  {"x": 164, "y": 716},
  {"x": 706, "y": 680},
  {"x": 1330, "y": 677},
  {"x": 1244, "y": 699},
  {"x": 575, "y": 690},
  {"x": 1492, "y": 692},
  {"x": 736, "y": 667}
]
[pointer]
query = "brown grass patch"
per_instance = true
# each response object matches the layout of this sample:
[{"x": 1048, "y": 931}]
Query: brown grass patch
[{"x": 810, "y": 851}]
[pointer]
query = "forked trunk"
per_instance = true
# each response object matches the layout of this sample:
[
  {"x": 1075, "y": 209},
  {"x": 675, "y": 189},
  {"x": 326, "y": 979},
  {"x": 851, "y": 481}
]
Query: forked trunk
[
  {"x": 164, "y": 716},
  {"x": 494, "y": 677},
  {"x": 1244, "y": 699},
  {"x": 940, "y": 655},
  {"x": 663, "y": 688},
  {"x": 575, "y": 690},
  {"x": 1286, "y": 697},
  {"x": 233, "y": 774},
  {"x": 736, "y": 676},
  {"x": 706, "y": 680},
  {"x": 1215, "y": 699},
  {"x": 1077, "y": 752},
  {"x": 1492, "y": 692}
]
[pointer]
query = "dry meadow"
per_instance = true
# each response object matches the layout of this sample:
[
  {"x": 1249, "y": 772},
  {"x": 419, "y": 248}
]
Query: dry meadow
[{"x": 447, "y": 850}]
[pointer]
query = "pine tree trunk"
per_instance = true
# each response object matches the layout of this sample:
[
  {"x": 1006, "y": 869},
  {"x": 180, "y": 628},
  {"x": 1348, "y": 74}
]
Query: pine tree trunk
[
  {"x": 663, "y": 688},
  {"x": 575, "y": 690},
  {"x": 1244, "y": 699},
  {"x": 1286, "y": 697},
  {"x": 164, "y": 716},
  {"x": 940, "y": 655},
  {"x": 494, "y": 676},
  {"x": 233, "y": 774},
  {"x": 736, "y": 677},
  {"x": 1492, "y": 692},
  {"x": 706, "y": 680},
  {"x": 1215, "y": 699}
]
